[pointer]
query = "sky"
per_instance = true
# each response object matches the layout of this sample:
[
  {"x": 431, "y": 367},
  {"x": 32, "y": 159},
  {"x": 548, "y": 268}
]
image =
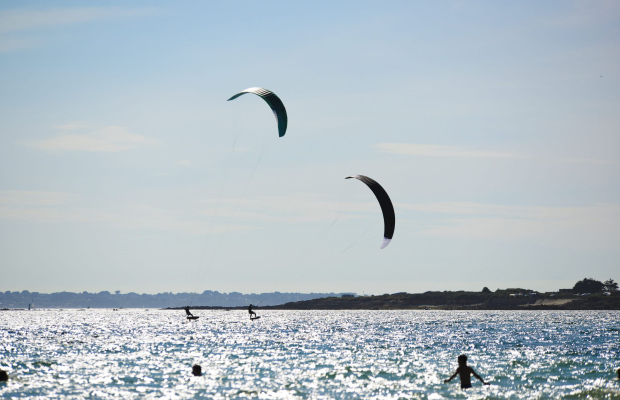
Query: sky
[{"x": 493, "y": 126}]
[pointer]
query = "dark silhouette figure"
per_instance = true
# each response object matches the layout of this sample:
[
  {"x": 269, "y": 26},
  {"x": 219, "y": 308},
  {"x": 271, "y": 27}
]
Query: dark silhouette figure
[
  {"x": 189, "y": 314},
  {"x": 252, "y": 313},
  {"x": 197, "y": 370},
  {"x": 464, "y": 372},
  {"x": 3, "y": 376},
  {"x": 618, "y": 372}
]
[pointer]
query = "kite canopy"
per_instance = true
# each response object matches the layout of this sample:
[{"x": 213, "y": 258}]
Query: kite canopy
[
  {"x": 389, "y": 219},
  {"x": 274, "y": 102}
]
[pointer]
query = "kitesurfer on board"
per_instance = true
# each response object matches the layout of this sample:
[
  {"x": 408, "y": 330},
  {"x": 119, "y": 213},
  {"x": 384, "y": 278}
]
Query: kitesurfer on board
[{"x": 252, "y": 313}]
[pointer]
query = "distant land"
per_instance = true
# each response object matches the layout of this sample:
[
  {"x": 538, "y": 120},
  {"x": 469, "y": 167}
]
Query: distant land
[
  {"x": 587, "y": 294},
  {"x": 501, "y": 299},
  {"x": 105, "y": 299},
  {"x": 509, "y": 299}
]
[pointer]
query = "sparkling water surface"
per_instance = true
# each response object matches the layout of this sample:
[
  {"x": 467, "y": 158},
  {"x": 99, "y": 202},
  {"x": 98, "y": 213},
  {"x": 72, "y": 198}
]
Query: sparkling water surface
[{"x": 132, "y": 354}]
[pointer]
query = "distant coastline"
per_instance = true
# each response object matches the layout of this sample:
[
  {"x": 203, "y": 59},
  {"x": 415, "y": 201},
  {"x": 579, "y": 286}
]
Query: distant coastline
[
  {"x": 509, "y": 299},
  {"x": 504, "y": 300},
  {"x": 501, "y": 299},
  {"x": 105, "y": 299}
]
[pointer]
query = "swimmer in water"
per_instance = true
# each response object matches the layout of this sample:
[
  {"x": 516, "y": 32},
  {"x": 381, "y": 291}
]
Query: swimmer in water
[
  {"x": 197, "y": 370},
  {"x": 464, "y": 372}
]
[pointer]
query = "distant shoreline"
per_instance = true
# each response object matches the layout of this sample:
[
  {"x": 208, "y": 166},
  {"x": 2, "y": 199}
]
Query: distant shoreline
[
  {"x": 505, "y": 299},
  {"x": 499, "y": 300}
]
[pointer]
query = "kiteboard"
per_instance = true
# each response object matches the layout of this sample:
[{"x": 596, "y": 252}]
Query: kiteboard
[
  {"x": 192, "y": 317},
  {"x": 253, "y": 318}
]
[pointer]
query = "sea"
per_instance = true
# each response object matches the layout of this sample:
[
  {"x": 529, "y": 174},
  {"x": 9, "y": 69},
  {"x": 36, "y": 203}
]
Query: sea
[{"x": 149, "y": 354}]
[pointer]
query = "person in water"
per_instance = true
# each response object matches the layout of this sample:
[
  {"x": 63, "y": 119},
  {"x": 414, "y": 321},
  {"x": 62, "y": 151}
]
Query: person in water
[
  {"x": 189, "y": 314},
  {"x": 197, "y": 370},
  {"x": 252, "y": 313},
  {"x": 464, "y": 372},
  {"x": 3, "y": 376}
]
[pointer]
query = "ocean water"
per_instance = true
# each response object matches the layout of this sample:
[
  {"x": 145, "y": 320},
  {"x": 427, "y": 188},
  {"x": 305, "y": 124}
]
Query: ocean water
[{"x": 148, "y": 354}]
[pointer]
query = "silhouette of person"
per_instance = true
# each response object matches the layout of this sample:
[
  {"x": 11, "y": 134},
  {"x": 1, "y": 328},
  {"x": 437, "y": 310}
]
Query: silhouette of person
[
  {"x": 3, "y": 376},
  {"x": 464, "y": 371},
  {"x": 252, "y": 313},
  {"x": 618, "y": 372},
  {"x": 189, "y": 314},
  {"x": 197, "y": 370}
]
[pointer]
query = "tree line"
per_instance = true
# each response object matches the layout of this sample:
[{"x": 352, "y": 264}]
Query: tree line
[
  {"x": 105, "y": 299},
  {"x": 589, "y": 285}
]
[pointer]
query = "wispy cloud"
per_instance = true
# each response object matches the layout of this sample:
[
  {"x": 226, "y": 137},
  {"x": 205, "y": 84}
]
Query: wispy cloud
[
  {"x": 593, "y": 226},
  {"x": 429, "y": 150},
  {"x": 33, "y": 198},
  {"x": 61, "y": 207},
  {"x": 36, "y": 206},
  {"x": 295, "y": 208},
  {"x": 593, "y": 12},
  {"x": 15, "y": 21},
  {"x": 28, "y": 19},
  {"x": 105, "y": 139},
  {"x": 71, "y": 126},
  {"x": 201, "y": 218},
  {"x": 586, "y": 161},
  {"x": 8, "y": 44}
]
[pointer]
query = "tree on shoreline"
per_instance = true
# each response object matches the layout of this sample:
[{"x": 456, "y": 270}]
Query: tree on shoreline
[
  {"x": 610, "y": 286},
  {"x": 588, "y": 285}
]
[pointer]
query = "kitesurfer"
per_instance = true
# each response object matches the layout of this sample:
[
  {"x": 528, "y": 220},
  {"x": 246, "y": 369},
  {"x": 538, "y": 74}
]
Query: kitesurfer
[
  {"x": 252, "y": 313},
  {"x": 189, "y": 314},
  {"x": 464, "y": 371}
]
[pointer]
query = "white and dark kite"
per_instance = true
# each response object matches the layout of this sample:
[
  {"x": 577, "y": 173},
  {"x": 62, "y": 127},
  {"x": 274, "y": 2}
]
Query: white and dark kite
[
  {"x": 274, "y": 102},
  {"x": 389, "y": 219}
]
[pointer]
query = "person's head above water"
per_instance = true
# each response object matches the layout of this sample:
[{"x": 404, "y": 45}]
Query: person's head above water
[
  {"x": 462, "y": 359},
  {"x": 3, "y": 376},
  {"x": 197, "y": 370}
]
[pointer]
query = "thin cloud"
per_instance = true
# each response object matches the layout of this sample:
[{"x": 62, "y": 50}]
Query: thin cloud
[
  {"x": 14, "y": 22},
  {"x": 592, "y": 226},
  {"x": 294, "y": 208},
  {"x": 8, "y": 44},
  {"x": 586, "y": 161},
  {"x": 106, "y": 139},
  {"x": 70, "y": 126},
  {"x": 33, "y": 198},
  {"x": 27, "y": 19},
  {"x": 429, "y": 150},
  {"x": 60, "y": 207},
  {"x": 593, "y": 12}
]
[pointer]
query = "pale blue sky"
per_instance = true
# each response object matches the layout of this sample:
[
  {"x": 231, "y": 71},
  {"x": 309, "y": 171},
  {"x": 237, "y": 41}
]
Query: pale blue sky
[{"x": 494, "y": 127}]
